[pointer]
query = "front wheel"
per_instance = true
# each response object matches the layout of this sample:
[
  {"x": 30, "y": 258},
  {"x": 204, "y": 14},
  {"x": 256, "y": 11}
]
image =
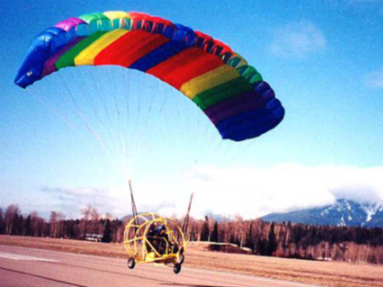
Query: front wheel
[
  {"x": 177, "y": 268},
  {"x": 131, "y": 263}
]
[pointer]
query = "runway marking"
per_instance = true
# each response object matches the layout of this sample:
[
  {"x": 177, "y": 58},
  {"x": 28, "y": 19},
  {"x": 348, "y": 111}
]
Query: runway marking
[
  {"x": 42, "y": 277},
  {"x": 23, "y": 257}
]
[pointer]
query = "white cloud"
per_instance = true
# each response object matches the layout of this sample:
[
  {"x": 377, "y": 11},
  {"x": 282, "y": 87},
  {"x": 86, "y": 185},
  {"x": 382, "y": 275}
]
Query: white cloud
[
  {"x": 250, "y": 192},
  {"x": 254, "y": 192},
  {"x": 374, "y": 80},
  {"x": 297, "y": 40}
]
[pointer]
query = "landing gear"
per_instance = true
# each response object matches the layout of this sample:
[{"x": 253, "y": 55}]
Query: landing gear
[
  {"x": 177, "y": 268},
  {"x": 131, "y": 263},
  {"x": 181, "y": 258}
]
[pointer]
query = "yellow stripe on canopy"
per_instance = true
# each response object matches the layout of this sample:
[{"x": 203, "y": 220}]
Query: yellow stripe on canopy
[
  {"x": 117, "y": 15},
  {"x": 112, "y": 15},
  {"x": 209, "y": 80},
  {"x": 86, "y": 57}
]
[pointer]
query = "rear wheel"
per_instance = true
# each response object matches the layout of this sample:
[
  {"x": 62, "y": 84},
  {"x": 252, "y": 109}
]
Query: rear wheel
[
  {"x": 131, "y": 263},
  {"x": 181, "y": 258},
  {"x": 177, "y": 268}
]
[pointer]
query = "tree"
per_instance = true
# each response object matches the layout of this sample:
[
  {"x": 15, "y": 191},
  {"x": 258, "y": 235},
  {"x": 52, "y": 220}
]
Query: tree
[
  {"x": 11, "y": 218},
  {"x": 214, "y": 234},
  {"x": 214, "y": 237},
  {"x": 272, "y": 242},
  {"x": 95, "y": 218},
  {"x": 53, "y": 224},
  {"x": 37, "y": 224},
  {"x": 1, "y": 221},
  {"x": 249, "y": 242},
  {"x": 69, "y": 229},
  {"x": 88, "y": 213},
  {"x": 18, "y": 224},
  {"x": 261, "y": 246},
  {"x": 108, "y": 232},
  {"x": 205, "y": 232},
  {"x": 28, "y": 226}
]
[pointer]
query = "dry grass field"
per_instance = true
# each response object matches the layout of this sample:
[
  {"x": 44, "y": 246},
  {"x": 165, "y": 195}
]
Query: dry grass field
[{"x": 314, "y": 272}]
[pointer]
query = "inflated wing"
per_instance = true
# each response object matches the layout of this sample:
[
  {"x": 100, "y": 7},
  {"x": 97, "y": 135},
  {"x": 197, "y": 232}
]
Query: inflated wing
[{"x": 228, "y": 90}]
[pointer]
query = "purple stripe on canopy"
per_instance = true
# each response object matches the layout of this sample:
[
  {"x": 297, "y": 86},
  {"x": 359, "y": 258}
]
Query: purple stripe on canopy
[
  {"x": 68, "y": 24},
  {"x": 224, "y": 105},
  {"x": 238, "y": 105},
  {"x": 237, "y": 110},
  {"x": 49, "y": 66}
]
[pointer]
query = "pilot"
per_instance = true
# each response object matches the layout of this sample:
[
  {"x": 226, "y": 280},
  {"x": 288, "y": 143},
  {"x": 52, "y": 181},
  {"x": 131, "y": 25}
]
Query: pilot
[{"x": 163, "y": 239}]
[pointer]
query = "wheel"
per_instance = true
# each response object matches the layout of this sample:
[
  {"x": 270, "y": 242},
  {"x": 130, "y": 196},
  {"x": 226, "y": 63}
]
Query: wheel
[
  {"x": 177, "y": 268},
  {"x": 181, "y": 258},
  {"x": 131, "y": 263}
]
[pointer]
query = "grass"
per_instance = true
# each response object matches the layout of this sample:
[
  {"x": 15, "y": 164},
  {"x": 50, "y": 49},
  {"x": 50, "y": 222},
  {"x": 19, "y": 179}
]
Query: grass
[{"x": 337, "y": 274}]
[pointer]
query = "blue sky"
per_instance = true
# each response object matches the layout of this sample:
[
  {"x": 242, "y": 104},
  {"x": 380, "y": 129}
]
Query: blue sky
[{"x": 322, "y": 58}]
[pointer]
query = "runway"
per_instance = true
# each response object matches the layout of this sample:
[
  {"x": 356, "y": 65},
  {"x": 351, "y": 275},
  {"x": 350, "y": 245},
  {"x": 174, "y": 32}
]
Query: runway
[{"x": 35, "y": 267}]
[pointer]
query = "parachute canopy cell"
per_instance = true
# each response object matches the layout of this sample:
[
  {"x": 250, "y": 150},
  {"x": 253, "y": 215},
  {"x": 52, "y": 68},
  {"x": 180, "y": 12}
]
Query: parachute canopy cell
[{"x": 219, "y": 81}]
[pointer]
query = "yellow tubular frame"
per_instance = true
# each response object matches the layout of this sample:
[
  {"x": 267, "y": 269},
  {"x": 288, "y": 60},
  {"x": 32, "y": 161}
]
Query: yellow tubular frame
[{"x": 134, "y": 235}]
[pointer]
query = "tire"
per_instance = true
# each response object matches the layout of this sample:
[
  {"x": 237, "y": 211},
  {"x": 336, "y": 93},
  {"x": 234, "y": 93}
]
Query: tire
[
  {"x": 177, "y": 268},
  {"x": 181, "y": 258},
  {"x": 131, "y": 263}
]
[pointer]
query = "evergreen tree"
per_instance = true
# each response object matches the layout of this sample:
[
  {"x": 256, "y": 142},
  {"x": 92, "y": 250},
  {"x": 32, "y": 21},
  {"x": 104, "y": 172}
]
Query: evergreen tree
[
  {"x": 28, "y": 226},
  {"x": 214, "y": 234},
  {"x": 2, "y": 229},
  {"x": 107, "y": 236},
  {"x": 70, "y": 229},
  {"x": 214, "y": 237},
  {"x": 232, "y": 239},
  {"x": 205, "y": 232},
  {"x": 249, "y": 242},
  {"x": 272, "y": 242},
  {"x": 17, "y": 224},
  {"x": 261, "y": 247}
]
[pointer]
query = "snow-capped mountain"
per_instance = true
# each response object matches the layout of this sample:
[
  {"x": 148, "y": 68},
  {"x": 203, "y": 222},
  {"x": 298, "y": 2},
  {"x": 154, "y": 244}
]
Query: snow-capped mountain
[{"x": 343, "y": 213}]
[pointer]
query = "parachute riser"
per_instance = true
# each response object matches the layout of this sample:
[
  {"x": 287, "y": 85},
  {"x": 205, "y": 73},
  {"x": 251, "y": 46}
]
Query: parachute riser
[
  {"x": 186, "y": 220},
  {"x": 134, "y": 207}
]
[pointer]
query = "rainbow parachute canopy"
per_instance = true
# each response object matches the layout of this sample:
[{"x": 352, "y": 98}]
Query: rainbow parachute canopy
[{"x": 228, "y": 90}]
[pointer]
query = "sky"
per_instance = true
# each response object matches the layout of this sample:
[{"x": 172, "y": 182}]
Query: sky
[{"x": 322, "y": 58}]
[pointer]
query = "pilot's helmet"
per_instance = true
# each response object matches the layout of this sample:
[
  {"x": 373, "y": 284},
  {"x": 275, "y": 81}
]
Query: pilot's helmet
[{"x": 161, "y": 228}]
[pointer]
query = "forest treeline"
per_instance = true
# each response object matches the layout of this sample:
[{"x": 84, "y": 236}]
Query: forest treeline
[{"x": 351, "y": 244}]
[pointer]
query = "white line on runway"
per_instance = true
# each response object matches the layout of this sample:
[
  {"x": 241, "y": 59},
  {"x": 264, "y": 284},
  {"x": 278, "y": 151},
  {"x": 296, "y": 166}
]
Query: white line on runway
[{"x": 22, "y": 257}]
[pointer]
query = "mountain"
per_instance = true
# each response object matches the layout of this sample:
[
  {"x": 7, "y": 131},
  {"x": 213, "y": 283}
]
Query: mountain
[{"x": 343, "y": 213}]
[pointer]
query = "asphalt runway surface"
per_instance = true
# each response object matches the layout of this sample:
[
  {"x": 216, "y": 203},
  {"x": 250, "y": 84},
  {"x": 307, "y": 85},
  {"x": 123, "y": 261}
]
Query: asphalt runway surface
[{"x": 21, "y": 266}]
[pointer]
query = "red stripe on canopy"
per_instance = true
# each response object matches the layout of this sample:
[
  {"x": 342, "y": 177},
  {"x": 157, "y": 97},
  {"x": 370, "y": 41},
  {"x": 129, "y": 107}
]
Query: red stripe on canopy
[
  {"x": 185, "y": 66},
  {"x": 129, "y": 48}
]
